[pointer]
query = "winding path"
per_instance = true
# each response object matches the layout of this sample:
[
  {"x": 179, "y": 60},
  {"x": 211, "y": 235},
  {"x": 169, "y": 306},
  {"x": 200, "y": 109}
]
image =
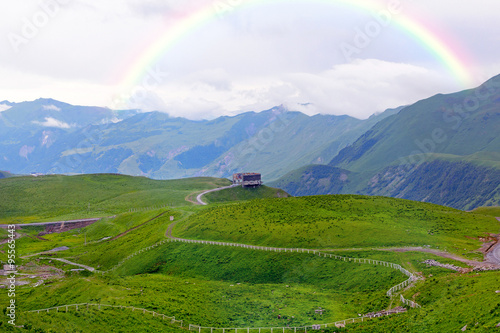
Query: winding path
[
  {"x": 91, "y": 269},
  {"x": 201, "y": 202},
  {"x": 55, "y": 222},
  {"x": 493, "y": 254}
]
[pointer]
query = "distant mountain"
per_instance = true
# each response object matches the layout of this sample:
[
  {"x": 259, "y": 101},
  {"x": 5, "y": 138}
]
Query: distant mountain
[
  {"x": 445, "y": 149},
  {"x": 48, "y": 136},
  {"x": 5, "y": 174}
]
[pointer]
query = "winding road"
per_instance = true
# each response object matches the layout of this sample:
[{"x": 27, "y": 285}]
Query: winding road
[
  {"x": 201, "y": 202},
  {"x": 91, "y": 269},
  {"x": 493, "y": 255},
  {"x": 37, "y": 224}
]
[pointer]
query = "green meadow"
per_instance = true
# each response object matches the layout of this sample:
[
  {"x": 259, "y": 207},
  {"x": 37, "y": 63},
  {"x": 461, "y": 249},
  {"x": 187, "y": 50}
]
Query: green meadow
[
  {"x": 341, "y": 221},
  {"x": 47, "y": 198},
  {"x": 236, "y": 287}
]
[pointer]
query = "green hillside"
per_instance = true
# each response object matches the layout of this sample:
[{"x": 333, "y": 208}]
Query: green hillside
[
  {"x": 491, "y": 211},
  {"x": 243, "y": 194},
  {"x": 28, "y": 199},
  {"x": 228, "y": 286},
  {"x": 341, "y": 221},
  {"x": 434, "y": 125}
]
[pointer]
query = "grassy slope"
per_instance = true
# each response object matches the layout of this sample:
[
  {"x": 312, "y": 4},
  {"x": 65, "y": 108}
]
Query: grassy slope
[
  {"x": 491, "y": 211},
  {"x": 243, "y": 194},
  {"x": 229, "y": 287},
  {"x": 94, "y": 233},
  {"x": 398, "y": 136},
  {"x": 340, "y": 222},
  {"x": 193, "y": 282},
  {"x": 29, "y": 199},
  {"x": 450, "y": 302}
]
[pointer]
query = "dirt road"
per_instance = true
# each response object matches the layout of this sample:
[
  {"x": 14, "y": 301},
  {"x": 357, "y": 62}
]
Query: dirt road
[{"x": 201, "y": 202}]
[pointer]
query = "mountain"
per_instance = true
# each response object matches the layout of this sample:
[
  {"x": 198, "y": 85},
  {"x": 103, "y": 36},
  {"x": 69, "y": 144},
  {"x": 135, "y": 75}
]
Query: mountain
[
  {"x": 445, "y": 149},
  {"x": 48, "y": 136},
  {"x": 5, "y": 174}
]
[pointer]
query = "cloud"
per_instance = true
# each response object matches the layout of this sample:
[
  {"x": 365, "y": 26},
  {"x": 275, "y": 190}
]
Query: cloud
[
  {"x": 51, "y": 107},
  {"x": 51, "y": 122},
  {"x": 4, "y": 107},
  {"x": 359, "y": 89},
  {"x": 364, "y": 87}
]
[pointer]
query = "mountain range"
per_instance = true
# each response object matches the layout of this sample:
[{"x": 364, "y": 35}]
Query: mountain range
[
  {"x": 47, "y": 136},
  {"x": 444, "y": 149}
]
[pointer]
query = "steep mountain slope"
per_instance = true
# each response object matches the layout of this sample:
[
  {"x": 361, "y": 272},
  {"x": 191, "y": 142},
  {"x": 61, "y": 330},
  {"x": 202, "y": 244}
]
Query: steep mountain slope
[
  {"x": 445, "y": 149},
  {"x": 459, "y": 124},
  {"x": 313, "y": 179},
  {"x": 5, "y": 174}
]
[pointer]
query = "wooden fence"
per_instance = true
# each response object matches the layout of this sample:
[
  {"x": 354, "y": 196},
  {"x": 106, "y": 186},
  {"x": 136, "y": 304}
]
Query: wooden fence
[
  {"x": 200, "y": 329},
  {"x": 87, "y": 306},
  {"x": 390, "y": 292}
]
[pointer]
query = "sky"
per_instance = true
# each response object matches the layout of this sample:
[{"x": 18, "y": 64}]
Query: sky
[{"x": 209, "y": 58}]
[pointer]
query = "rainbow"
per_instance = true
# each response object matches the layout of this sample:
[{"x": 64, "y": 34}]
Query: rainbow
[{"x": 435, "y": 42}]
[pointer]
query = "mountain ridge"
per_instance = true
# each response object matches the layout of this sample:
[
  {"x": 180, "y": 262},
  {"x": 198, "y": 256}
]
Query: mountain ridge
[{"x": 45, "y": 136}]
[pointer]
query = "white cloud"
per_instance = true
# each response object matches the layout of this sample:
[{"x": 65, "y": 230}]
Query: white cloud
[
  {"x": 359, "y": 89},
  {"x": 4, "y": 107},
  {"x": 52, "y": 122},
  {"x": 51, "y": 108},
  {"x": 364, "y": 87}
]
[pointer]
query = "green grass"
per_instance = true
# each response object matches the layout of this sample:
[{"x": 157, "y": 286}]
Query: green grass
[
  {"x": 491, "y": 211},
  {"x": 107, "y": 227},
  {"x": 243, "y": 194},
  {"x": 30, "y": 199},
  {"x": 449, "y": 303},
  {"x": 229, "y": 286},
  {"x": 92, "y": 321},
  {"x": 342, "y": 221}
]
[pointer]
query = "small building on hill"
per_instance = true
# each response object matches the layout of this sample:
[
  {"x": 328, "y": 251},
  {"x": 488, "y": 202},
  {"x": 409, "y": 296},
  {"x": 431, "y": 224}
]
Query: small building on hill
[{"x": 250, "y": 179}]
